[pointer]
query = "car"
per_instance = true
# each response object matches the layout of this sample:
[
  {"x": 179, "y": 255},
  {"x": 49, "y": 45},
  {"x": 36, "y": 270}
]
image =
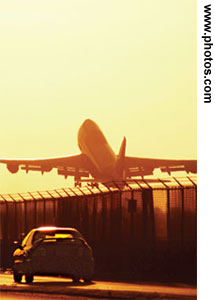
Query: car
[{"x": 53, "y": 251}]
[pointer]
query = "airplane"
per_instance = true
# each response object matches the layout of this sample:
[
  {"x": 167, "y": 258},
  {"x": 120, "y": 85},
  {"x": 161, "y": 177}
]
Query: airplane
[{"x": 97, "y": 162}]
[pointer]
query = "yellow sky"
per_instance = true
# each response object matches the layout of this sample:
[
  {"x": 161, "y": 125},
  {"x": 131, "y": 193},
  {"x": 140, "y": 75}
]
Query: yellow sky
[{"x": 128, "y": 65}]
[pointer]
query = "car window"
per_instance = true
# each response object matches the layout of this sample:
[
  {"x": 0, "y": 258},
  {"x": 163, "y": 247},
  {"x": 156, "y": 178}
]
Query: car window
[
  {"x": 38, "y": 235},
  {"x": 77, "y": 234},
  {"x": 55, "y": 234}
]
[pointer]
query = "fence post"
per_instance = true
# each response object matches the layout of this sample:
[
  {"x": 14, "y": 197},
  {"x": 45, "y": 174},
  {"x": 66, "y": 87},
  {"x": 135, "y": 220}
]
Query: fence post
[
  {"x": 5, "y": 242},
  {"x": 35, "y": 209},
  {"x": 182, "y": 212},
  {"x": 147, "y": 196},
  {"x": 25, "y": 213},
  {"x": 44, "y": 208}
]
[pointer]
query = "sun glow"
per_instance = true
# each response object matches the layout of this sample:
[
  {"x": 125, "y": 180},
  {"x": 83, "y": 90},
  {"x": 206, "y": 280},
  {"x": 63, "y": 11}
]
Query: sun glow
[{"x": 128, "y": 65}]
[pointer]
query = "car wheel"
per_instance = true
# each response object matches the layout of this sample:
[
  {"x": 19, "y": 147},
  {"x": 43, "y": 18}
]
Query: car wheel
[
  {"x": 17, "y": 277},
  {"x": 29, "y": 278},
  {"x": 87, "y": 279},
  {"x": 75, "y": 279}
]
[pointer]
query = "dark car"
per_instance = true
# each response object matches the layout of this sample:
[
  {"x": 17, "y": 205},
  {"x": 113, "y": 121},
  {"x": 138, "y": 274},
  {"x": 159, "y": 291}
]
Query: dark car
[{"x": 53, "y": 251}]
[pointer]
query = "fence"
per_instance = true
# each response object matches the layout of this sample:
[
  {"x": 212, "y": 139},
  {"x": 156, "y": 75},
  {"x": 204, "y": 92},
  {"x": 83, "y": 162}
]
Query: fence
[{"x": 137, "y": 229}]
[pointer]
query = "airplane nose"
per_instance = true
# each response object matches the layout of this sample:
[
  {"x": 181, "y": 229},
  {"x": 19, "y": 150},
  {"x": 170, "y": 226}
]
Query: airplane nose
[{"x": 88, "y": 123}]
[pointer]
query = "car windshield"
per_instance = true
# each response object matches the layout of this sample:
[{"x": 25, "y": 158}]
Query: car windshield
[{"x": 55, "y": 234}]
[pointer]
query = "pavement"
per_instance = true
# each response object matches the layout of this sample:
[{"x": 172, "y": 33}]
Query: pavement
[{"x": 98, "y": 289}]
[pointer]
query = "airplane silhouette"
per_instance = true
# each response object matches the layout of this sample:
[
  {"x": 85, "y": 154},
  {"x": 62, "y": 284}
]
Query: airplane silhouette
[{"x": 99, "y": 160}]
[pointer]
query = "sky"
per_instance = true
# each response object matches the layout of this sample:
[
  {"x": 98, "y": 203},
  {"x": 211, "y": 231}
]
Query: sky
[{"x": 129, "y": 65}]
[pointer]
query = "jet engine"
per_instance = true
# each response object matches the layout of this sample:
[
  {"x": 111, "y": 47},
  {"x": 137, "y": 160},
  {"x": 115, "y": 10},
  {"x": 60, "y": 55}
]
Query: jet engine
[{"x": 13, "y": 168}]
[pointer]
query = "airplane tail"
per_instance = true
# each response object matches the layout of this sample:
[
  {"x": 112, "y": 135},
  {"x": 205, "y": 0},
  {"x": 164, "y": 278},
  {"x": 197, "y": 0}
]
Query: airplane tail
[{"x": 120, "y": 159}]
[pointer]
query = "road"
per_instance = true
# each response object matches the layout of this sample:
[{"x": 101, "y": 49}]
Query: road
[
  {"x": 101, "y": 289},
  {"x": 27, "y": 296}
]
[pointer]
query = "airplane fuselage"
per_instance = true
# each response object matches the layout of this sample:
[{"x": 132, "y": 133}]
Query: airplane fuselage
[{"x": 94, "y": 145}]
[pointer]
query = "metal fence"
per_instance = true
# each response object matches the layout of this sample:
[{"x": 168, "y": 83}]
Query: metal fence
[{"x": 137, "y": 229}]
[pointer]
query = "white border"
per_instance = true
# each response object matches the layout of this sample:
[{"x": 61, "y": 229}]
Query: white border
[{"x": 206, "y": 164}]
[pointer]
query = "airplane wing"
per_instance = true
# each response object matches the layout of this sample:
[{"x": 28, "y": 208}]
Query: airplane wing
[
  {"x": 76, "y": 165},
  {"x": 135, "y": 166}
]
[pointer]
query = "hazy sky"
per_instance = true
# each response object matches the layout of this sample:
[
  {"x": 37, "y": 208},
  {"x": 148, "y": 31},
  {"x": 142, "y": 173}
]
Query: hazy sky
[{"x": 131, "y": 66}]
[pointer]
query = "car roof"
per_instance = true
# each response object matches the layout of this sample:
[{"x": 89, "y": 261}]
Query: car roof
[{"x": 53, "y": 228}]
